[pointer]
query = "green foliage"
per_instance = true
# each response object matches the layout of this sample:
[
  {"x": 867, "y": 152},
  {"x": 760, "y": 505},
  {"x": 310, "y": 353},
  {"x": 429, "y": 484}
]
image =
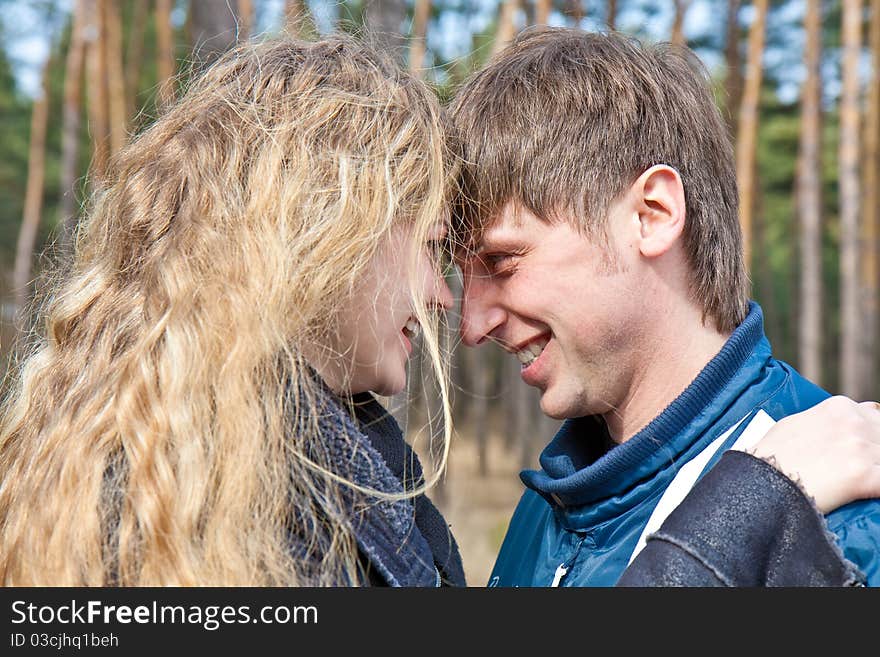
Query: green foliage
[
  {"x": 14, "y": 133},
  {"x": 351, "y": 15},
  {"x": 776, "y": 266},
  {"x": 774, "y": 256}
]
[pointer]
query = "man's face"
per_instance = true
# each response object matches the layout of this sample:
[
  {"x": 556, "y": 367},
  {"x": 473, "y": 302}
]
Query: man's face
[{"x": 567, "y": 307}]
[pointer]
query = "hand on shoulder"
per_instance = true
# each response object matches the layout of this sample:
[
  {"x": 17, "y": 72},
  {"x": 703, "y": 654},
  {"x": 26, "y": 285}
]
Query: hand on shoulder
[{"x": 831, "y": 450}]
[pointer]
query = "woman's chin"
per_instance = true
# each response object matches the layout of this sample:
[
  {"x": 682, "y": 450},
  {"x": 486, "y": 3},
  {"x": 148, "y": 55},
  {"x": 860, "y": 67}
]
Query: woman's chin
[
  {"x": 390, "y": 387},
  {"x": 389, "y": 391}
]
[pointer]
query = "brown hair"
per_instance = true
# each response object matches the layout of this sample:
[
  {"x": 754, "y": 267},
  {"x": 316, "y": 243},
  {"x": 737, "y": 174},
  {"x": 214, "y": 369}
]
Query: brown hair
[{"x": 563, "y": 121}]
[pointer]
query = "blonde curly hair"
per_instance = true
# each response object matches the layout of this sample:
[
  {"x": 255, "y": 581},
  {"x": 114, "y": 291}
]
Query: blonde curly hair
[{"x": 147, "y": 439}]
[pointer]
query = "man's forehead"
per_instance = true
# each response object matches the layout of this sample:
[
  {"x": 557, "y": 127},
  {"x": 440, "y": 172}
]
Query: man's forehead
[
  {"x": 500, "y": 226},
  {"x": 476, "y": 240}
]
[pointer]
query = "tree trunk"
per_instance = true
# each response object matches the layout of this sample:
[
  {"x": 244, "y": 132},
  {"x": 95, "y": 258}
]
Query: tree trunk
[
  {"x": 73, "y": 72},
  {"x": 134, "y": 56},
  {"x": 809, "y": 200},
  {"x": 763, "y": 274},
  {"x": 165, "y": 53},
  {"x": 477, "y": 388},
  {"x": 519, "y": 405},
  {"x": 298, "y": 19},
  {"x": 384, "y": 19},
  {"x": 612, "y": 15},
  {"x": 213, "y": 28},
  {"x": 508, "y": 389},
  {"x": 96, "y": 80},
  {"x": 748, "y": 126},
  {"x": 115, "y": 78},
  {"x": 506, "y": 24},
  {"x": 33, "y": 200},
  {"x": 733, "y": 81},
  {"x": 542, "y": 11},
  {"x": 245, "y": 19},
  {"x": 421, "y": 14},
  {"x": 524, "y": 407},
  {"x": 871, "y": 217},
  {"x": 850, "y": 312},
  {"x": 472, "y": 379},
  {"x": 681, "y": 7},
  {"x": 575, "y": 9}
]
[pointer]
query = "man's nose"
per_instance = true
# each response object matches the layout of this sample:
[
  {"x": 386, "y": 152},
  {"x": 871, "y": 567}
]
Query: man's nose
[{"x": 480, "y": 315}]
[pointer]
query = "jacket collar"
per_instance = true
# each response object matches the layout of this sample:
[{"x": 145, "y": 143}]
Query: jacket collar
[{"x": 575, "y": 472}]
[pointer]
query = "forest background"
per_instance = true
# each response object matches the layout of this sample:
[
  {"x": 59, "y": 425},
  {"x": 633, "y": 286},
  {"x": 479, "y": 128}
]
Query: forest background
[{"x": 797, "y": 80}]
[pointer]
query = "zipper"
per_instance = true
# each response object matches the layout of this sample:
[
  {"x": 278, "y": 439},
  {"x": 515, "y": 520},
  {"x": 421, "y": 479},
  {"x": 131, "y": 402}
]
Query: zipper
[{"x": 563, "y": 568}]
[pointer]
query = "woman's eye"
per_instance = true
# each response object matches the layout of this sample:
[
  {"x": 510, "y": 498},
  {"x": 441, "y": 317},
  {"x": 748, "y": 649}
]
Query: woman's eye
[{"x": 440, "y": 252}]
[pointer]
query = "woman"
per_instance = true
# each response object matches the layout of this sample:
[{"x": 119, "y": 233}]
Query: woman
[
  {"x": 181, "y": 405},
  {"x": 199, "y": 411}
]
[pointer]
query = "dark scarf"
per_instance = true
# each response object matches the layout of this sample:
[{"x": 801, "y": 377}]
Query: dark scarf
[
  {"x": 406, "y": 542},
  {"x": 386, "y": 437}
]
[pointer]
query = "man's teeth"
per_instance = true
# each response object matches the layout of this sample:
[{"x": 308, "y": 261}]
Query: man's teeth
[
  {"x": 530, "y": 353},
  {"x": 412, "y": 328}
]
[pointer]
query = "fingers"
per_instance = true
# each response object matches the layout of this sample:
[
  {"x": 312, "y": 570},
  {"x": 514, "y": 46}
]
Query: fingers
[
  {"x": 848, "y": 417},
  {"x": 832, "y": 450},
  {"x": 865, "y": 459}
]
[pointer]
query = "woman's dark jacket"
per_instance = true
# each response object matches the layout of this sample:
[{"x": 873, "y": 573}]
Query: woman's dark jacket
[{"x": 743, "y": 524}]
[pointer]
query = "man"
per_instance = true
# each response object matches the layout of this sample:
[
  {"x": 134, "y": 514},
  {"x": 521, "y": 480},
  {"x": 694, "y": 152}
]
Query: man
[{"x": 599, "y": 199}]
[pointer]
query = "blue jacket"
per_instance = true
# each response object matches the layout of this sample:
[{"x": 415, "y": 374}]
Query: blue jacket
[{"x": 587, "y": 512}]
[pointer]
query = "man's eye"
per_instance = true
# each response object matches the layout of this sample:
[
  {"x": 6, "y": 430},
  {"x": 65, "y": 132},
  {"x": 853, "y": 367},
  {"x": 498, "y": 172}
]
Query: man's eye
[{"x": 499, "y": 263}]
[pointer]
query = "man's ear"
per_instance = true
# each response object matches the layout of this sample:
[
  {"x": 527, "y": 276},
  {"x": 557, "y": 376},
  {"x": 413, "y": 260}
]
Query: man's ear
[{"x": 659, "y": 199}]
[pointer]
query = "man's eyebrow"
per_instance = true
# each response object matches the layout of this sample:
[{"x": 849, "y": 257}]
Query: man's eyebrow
[{"x": 500, "y": 238}]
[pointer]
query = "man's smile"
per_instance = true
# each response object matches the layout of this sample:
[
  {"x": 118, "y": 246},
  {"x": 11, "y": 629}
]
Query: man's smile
[{"x": 529, "y": 352}]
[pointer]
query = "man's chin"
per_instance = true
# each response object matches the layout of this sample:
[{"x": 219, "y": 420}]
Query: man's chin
[{"x": 554, "y": 409}]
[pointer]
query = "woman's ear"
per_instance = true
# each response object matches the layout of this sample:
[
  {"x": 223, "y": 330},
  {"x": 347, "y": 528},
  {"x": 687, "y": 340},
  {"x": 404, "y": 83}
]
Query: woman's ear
[{"x": 659, "y": 197}]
